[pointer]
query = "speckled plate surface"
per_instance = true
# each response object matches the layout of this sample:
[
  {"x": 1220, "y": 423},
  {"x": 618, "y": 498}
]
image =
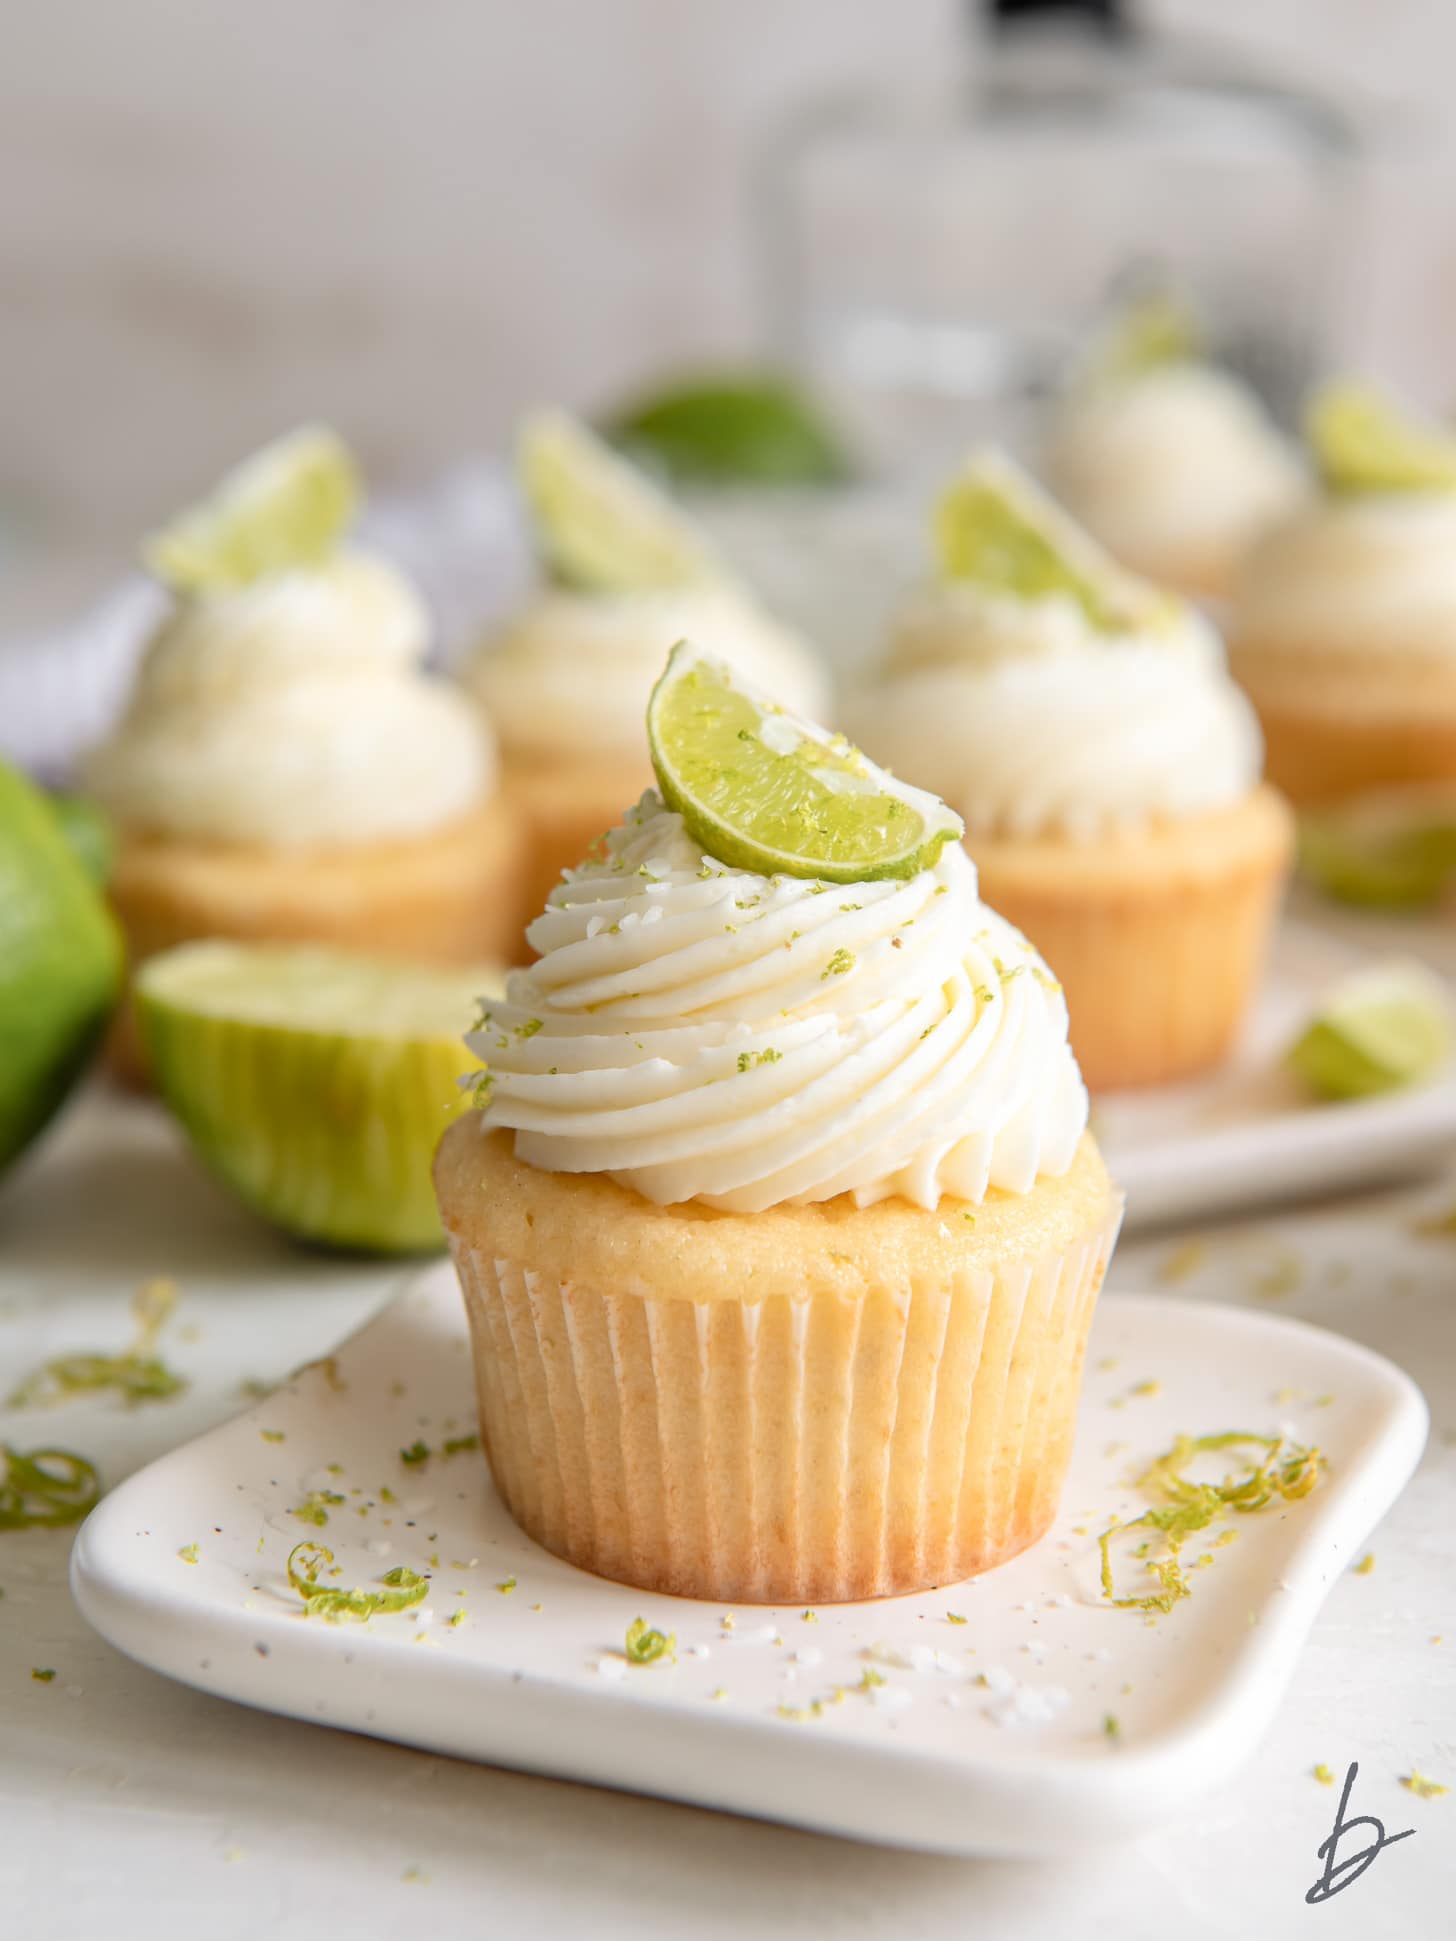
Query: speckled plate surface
[
  {"x": 983, "y": 1736},
  {"x": 1249, "y": 1135}
]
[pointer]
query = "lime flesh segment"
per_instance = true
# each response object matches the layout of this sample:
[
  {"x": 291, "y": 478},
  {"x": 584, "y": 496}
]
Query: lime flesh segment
[
  {"x": 1363, "y": 443},
  {"x": 996, "y": 530},
  {"x": 315, "y": 1085},
  {"x": 761, "y": 790},
  {"x": 60, "y": 964},
  {"x": 284, "y": 509},
  {"x": 1383, "y": 1028},
  {"x": 601, "y": 525}
]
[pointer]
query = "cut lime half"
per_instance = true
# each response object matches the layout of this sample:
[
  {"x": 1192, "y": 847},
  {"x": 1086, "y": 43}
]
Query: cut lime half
[
  {"x": 762, "y": 790},
  {"x": 1361, "y": 442},
  {"x": 1382, "y": 1028},
  {"x": 315, "y": 1085},
  {"x": 285, "y": 508},
  {"x": 998, "y": 531},
  {"x": 601, "y": 525}
]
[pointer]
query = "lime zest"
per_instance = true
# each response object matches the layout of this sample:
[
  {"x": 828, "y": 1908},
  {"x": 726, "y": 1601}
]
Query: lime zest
[
  {"x": 1362, "y": 442},
  {"x": 403, "y": 1588},
  {"x": 137, "y": 1375},
  {"x": 45, "y": 1675},
  {"x": 761, "y": 790},
  {"x": 1423, "y": 1788},
  {"x": 646, "y": 1645},
  {"x": 45, "y": 1489},
  {"x": 1285, "y": 1471}
]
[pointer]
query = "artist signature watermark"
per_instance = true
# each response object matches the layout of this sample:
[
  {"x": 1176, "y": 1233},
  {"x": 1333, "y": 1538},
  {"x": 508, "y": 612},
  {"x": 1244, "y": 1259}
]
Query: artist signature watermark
[{"x": 1342, "y": 1871}]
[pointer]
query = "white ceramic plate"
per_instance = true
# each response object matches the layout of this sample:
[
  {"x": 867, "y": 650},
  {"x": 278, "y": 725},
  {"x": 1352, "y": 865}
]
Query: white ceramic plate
[
  {"x": 535, "y": 1677},
  {"x": 1250, "y": 1135}
]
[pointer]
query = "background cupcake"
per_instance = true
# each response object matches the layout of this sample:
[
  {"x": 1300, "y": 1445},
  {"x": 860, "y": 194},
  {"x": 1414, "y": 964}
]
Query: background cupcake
[
  {"x": 566, "y": 680},
  {"x": 1343, "y": 630},
  {"x": 780, "y": 1229},
  {"x": 1107, "y": 770},
  {"x": 1170, "y": 461},
  {"x": 285, "y": 769}
]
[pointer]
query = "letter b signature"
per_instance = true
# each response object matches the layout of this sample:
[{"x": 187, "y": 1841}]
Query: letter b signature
[{"x": 1338, "y": 1875}]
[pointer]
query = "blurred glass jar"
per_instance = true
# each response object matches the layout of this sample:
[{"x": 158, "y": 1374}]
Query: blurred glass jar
[{"x": 937, "y": 256}]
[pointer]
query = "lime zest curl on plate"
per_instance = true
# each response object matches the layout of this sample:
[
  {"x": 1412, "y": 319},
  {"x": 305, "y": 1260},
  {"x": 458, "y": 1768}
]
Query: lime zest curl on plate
[
  {"x": 137, "y": 1375},
  {"x": 283, "y": 510},
  {"x": 645, "y": 1645},
  {"x": 45, "y": 1489},
  {"x": 760, "y": 789},
  {"x": 403, "y": 1588},
  {"x": 1362, "y": 442},
  {"x": 1284, "y": 1471}
]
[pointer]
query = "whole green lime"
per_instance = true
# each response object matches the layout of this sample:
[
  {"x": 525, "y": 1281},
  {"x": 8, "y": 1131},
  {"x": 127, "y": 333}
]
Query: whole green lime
[{"x": 60, "y": 964}]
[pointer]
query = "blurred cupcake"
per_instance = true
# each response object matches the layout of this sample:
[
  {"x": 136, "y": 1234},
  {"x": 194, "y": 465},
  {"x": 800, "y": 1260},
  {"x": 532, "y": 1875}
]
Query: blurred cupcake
[
  {"x": 566, "y": 680},
  {"x": 1172, "y": 463},
  {"x": 1343, "y": 627},
  {"x": 780, "y": 1229},
  {"x": 1107, "y": 770},
  {"x": 285, "y": 769}
]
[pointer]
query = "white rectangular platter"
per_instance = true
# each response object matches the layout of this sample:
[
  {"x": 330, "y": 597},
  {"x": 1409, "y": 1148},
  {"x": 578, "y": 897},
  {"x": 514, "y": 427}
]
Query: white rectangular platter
[{"x": 983, "y": 1736}]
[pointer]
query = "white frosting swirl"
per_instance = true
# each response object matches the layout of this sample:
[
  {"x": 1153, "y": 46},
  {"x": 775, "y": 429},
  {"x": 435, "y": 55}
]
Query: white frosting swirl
[
  {"x": 294, "y": 712},
  {"x": 702, "y": 1033},
  {"x": 572, "y": 673},
  {"x": 1028, "y": 722},
  {"x": 1179, "y": 465},
  {"x": 1358, "y": 576}
]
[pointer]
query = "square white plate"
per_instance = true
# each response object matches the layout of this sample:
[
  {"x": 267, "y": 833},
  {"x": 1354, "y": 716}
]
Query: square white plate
[
  {"x": 986, "y": 1736},
  {"x": 1250, "y": 1135}
]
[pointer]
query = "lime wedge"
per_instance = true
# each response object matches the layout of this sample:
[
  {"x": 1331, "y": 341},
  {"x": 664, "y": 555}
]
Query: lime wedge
[
  {"x": 749, "y": 430},
  {"x": 762, "y": 790},
  {"x": 601, "y": 525},
  {"x": 1382, "y": 1028},
  {"x": 313, "y": 1084},
  {"x": 286, "y": 507},
  {"x": 1363, "y": 443},
  {"x": 1395, "y": 849},
  {"x": 995, "y": 529},
  {"x": 1152, "y": 331}
]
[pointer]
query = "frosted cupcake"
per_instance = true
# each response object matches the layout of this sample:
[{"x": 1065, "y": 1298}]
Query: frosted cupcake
[
  {"x": 1172, "y": 463},
  {"x": 780, "y": 1229},
  {"x": 285, "y": 769},
  {"x": 1343, "y": 628},
  {"x": 1107, "y": 770},
  {"x": 566, "y": 680}
]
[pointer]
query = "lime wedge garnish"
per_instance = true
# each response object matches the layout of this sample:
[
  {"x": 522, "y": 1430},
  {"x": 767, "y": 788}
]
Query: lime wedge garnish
[
  {"x": 1395, "y": 849},
  {"x": 762, "y": 790},
  {"x": 1363, "y": 443},
  {"x": 1149, "y": 333},
  {"x": 286, "y": 507},
  {"x": 750, "y": 430},
  {"x": 995, "y": 529},
  {"x": 602, "y": 525},
  {"x": 315, "y": 1085},
  {"x": 1382, "y": 1028}
]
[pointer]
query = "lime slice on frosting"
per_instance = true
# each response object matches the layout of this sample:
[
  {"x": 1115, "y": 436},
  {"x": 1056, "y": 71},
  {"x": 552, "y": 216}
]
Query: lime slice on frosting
[
  {"x": 1148, "y": 334},
  {"x": 315, "y": 1085},
  {"x": 1363, "y": 443},
  {"x": 1394, "y": 849},
  {"x": 761, "y": 790},
  {"x": 1382, "y": 1028},
  {"x": 601, "y": 525},
  {"x": 285, "y": 508},
  {"x": 998, "y": 531}
]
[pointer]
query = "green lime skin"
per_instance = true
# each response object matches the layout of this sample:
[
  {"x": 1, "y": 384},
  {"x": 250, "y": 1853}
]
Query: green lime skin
[
  {"x": 61, "y": 963},
  {"x": 754, "y": 430},
  {"x": 89, "y": 833}
]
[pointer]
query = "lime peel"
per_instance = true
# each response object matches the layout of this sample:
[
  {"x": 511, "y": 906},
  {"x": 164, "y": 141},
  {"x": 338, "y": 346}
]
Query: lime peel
[
  {"x": 761, "y": 790},
  {"x": 403, "y": 1588},
  {"x": 137, "y": 1375},
  {"x": 45, "y": 1489}
]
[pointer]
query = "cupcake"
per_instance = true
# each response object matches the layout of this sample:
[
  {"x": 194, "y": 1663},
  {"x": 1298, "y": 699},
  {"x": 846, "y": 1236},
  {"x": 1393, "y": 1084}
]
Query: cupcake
[
  {"x": 1172, "y": 463},
  {"x": 1107, "y": 770},
  {"x": 780, "y": 1227},
  {"x": 565, "y": 681},
  {"x": 1343, "y": 627},
  {"x": 285, "y": 769}
]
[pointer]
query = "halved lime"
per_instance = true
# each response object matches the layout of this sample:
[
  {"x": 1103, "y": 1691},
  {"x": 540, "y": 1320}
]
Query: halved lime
[
  {"x": 761, "y": 790},
  {"x": 1377, "y": 1030},
  {"x": 286, "y": 507},
  {"x": 1393, "y": 849},
  {"x": 995, "y": 529},
  {"x": 752, "y": 429},
  {"x": 602, "y": 526},
  {"x": 1361, "y": 442},
  {"x": 314, "y": 1084}
]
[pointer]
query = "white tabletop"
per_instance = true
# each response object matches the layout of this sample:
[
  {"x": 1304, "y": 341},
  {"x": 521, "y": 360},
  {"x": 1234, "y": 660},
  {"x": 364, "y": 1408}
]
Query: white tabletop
[{"x": 132, "y": 1806}]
